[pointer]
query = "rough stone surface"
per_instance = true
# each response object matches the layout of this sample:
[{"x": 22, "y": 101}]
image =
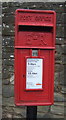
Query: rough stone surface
[
  {"x": 43, "y": 108},
  {"x": 59, "y": 41},
  {"x": 6, "y": 81},
  {"x": 59, "y": 97},
  {"x": 8, "y": 102},
  {"x": 7, "y": 56},
  {"x": 0, "y": 112},
  {"x": 63, "y": 90},
  {"x": 12, "y": 79},
  {"x": 8, "y": 41},
  {"x": 44, "y": 115},
  {"x": 59, "y": 67},
  {"x": 61, "y": 75},
  {"x": 17, "y": 116},
  {"x": 8, "y": 91},
  {"x": 56, "y": 82},
  {"x": 21, "y": 111},
  {"x": 59, "y": 104},
  {"x": 55, "y": 109},
  {"x": 49, "y": 116},
  {"x": 60, "y": 29},
  {"x": 8, "y": 112}
]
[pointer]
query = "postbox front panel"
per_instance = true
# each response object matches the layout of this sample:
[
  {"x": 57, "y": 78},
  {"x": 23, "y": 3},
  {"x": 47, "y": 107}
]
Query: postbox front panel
[
  {"x": 33, "y": 96},
  {"x": 34, "y": 57}
]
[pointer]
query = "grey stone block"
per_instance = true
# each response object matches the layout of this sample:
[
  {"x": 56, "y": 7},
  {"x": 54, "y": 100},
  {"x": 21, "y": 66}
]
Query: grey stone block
[
  {"x": 63, "y": 91},
  {"x": 8, "y": 41},
  {"x": 12, "y": 80},
  {"x": 8, "y": 102},
  {"x": 0, "y": 41},
  {"x": 8, "y": 115},
  {"x": 7, "y": 70},
  {"x": 1, "y": 100},
  {"x": 62, "y": 104},
  {"x": 58, "y": 57},
  {"x": 65, "y": 75},
  {"x": 0, "y": 86},
  {"x": 59, "y": 31},
  {"x": 51, "y": 116},
  {"x": 56, "y": 82},
  {"x": 21, "y": 111},
  {"x": 64, "y": 49},
  {"x": 5, "y": 74},
  {"x": 45, "y": 6},
  {"x": 0, "y": 112},
  {"x": 64, "y": 40},
  {"x": 6, "y": 81},
  {"x": 64, "y": 18},
  {"x": 59, "y": 97},
  {"x": 0, "y": 74},
  {"x": 8, "y": 62},
  {"x": 7, "y": 49},
  {"x": 7, "y": 55},
  {"x": 11, "y": 70},
  {"x": 7, "y": 112},
  {"x": 56, "y": 77},
  {"x": 59, "y": 110},
  {"x": 59, "y": 41},
  {"x": 43, "y": 108},
  {"x": 10, "y": 4},
  {"x": 60, "y": 18},
  {"x": 59, "y": 67},
  {"x": 1, "y": 63},
  {"x": 8, "y": 91},
  {"x": 64, "y": 59},
  {"x": 58, "y": 61},
  {"x": 7, "y": 19},
  {"x": 58, "y": 116},
  {"x": 59, "y": 49},
  {"x": 61, "y": 75},
  {"x": 8, "y": 30},
  {"x": 44, "y": 115},
  {"x": 17, "y": 116},
  {"x": 58, "y": 7},
  {"x": 11, "y": 10},
  {"x": 0, "y": 53}
]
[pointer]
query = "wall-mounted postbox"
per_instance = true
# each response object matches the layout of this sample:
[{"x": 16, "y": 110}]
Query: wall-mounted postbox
[{"x": 34, "y": 57}]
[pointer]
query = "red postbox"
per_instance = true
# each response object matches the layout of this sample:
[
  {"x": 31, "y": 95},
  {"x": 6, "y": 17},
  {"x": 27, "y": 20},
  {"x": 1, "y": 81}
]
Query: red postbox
[{"x": 34, "y": 57}]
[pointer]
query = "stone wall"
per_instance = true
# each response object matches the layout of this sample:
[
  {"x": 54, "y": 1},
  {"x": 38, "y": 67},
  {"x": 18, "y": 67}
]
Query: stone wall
[
  {"x": 8, "y": 20},
  {"x": 0, "y": 61}
]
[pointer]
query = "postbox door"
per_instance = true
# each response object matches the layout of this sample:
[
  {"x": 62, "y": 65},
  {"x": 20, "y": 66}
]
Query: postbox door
[{"x": 35, "y": 96}]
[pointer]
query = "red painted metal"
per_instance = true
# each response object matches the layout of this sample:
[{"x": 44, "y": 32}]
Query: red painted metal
[{"x": 34, "y": 29}]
